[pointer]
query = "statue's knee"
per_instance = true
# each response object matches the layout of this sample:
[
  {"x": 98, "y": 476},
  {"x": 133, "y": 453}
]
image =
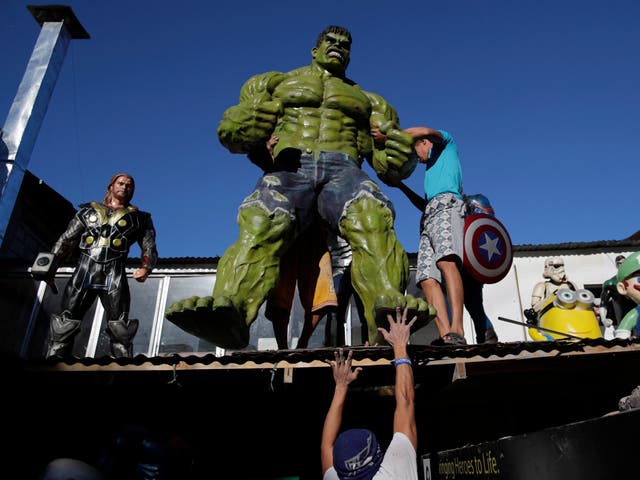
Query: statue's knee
[
  {"x": 366, "y": 214},
  {"x": 256, "y": 220}
]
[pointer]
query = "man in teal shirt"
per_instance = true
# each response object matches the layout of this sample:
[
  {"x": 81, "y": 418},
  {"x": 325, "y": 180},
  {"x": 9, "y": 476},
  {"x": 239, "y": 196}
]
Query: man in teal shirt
[{"x": 441, "y": 241}]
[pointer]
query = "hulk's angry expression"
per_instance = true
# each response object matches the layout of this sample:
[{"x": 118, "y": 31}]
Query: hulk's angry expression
[{"x": 333, "y": 53}]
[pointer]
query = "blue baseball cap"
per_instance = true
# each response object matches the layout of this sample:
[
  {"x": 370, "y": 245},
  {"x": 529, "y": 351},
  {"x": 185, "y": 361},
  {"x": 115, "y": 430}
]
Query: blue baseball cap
[{"x": 357, "y": 455}]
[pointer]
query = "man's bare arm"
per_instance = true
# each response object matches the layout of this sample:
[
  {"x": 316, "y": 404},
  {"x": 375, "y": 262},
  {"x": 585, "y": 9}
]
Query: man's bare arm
[
  {"x": 418, "y": 132},
  {"x": 343, "y": 375},
  {"x": 418, "y": 201},
  {"x": 404, "y": 418}
]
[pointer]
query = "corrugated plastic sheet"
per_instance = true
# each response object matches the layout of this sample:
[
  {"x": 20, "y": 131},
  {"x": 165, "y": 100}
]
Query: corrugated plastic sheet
[{"x": 420, "y": 354}]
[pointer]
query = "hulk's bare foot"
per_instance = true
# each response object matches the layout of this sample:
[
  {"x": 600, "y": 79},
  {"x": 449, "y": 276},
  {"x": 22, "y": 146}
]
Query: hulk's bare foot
[
  {"x": 217, "y": 322},
  {"x": 418, "y": 307}
]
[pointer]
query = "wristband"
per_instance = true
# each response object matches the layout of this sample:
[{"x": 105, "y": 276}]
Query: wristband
[{"x": 402, "y": 361}]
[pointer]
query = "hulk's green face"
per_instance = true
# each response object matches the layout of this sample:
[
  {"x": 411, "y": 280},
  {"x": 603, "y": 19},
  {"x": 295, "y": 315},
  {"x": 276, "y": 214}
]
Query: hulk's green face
[{"x": 333, "y": 53}]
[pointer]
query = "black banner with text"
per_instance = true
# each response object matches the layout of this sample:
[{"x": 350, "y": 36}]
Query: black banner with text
[{"x": 596, "y": 449}]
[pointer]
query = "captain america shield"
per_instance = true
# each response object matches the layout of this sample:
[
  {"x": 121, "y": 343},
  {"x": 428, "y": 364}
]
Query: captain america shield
[{"x": 488, "y": 252}]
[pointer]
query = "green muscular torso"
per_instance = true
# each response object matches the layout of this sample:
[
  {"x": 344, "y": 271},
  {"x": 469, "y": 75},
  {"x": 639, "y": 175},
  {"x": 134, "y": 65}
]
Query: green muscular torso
[
  {"x": 310, "y": 110},
  {"x": 323, "y": 114}
]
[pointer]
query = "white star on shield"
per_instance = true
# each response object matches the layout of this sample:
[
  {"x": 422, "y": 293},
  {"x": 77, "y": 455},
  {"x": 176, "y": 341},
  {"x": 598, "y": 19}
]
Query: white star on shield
[{"x": 490, "y": 246}]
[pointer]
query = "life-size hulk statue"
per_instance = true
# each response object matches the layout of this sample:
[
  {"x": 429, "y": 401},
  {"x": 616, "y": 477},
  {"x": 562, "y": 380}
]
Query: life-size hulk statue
[{"x": 323, "y": 121}]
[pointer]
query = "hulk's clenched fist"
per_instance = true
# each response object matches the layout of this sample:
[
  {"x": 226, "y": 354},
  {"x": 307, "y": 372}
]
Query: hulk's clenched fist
[{"x": 245, "y": 127}]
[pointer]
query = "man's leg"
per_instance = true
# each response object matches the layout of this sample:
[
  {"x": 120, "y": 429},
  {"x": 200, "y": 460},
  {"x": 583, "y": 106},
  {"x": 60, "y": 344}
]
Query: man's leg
[
  {"x": 442, "y": 241},
  {"x": 434, "y": 295},
  {"x": 455, "y": 293},
  {"x": 315, "y": 283},
  {"x": 474, "y": 303},
  {"x": 279, "y": 318},
  {"x": 339, "y": 317},
  {"x": 311, "y": 321},
  {"x": 280, "y": 300},
  {"x": 429, "y": 279},
  {"x": 345, "y": 294}
]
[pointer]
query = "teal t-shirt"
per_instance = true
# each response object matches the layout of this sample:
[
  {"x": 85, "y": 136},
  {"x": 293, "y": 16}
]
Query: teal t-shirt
[{"x": 443, "y": 172}]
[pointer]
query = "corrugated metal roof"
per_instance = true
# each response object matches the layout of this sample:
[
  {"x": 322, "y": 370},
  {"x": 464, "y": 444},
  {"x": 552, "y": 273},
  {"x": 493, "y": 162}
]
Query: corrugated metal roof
[{"x": 421, "y": 355}]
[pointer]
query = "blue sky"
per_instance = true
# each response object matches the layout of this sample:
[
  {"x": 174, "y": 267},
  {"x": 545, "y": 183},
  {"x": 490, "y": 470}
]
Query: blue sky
[{"x": 542, "y": 98}]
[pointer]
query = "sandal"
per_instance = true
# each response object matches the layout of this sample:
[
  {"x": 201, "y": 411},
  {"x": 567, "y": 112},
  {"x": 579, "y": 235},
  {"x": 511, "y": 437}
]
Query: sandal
[{"x": 453, "y": 338}]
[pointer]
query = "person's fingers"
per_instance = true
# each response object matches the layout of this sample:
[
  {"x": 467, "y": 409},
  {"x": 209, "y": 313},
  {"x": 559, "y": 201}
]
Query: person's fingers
[
  {"x": 338, "y": 356},
  {"x": 349, "y": 355},
  {"x": 413, "y": 320}
]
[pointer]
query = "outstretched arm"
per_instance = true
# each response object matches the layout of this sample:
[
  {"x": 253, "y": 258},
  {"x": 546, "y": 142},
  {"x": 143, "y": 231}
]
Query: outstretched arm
[
  {"x": 404, "y": 418},
  {"x": 418, "y": 201},
  {"x": 417, "y": 132},
  {"x": 343, "y": 375}
]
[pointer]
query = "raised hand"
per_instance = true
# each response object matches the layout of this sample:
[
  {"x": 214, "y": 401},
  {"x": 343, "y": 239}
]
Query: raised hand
[
  {"x": 343, "y": 374},
  {"x": 399, "y": 329}
]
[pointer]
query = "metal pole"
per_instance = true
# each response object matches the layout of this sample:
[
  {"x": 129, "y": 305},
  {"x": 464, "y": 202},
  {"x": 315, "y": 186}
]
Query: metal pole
[
  {"x": 542, "y": 329},
  {"x": 21, "y": 128}
]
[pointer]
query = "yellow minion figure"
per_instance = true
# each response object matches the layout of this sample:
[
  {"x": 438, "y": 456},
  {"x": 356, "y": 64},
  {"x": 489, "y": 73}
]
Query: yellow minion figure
[{"x": 569, "y": 312}]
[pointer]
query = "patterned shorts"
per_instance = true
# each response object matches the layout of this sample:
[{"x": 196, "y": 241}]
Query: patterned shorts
[{"x": 442, "y": 235}]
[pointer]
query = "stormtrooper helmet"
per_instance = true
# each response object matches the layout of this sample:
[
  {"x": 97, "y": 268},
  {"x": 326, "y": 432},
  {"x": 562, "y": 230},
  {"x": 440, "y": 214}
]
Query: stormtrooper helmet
[{"x": 554, "y": 270}]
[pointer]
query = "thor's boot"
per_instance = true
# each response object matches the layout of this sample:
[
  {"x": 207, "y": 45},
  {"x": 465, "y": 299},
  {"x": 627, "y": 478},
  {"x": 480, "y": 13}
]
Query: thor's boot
[
  {"x": 63, "y": 331},
  {"x": 121, "y": 332}
]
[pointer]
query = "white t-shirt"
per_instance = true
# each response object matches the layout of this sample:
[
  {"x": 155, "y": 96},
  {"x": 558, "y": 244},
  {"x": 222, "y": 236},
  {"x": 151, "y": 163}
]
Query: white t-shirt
[{"x": 399, "y": 462}]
